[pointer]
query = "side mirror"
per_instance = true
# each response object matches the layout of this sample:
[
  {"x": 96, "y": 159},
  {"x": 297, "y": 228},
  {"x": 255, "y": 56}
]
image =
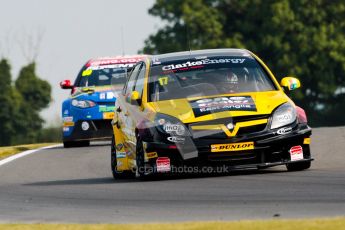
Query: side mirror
[
  {"x": 135, "y": 98},
  {"x": 290, "y": 83},
  {"x": 66, "y": 84}
]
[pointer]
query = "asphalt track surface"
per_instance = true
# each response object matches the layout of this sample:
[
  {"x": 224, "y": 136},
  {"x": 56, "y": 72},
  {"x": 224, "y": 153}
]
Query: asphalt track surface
[{"x": 75, "y": 185}]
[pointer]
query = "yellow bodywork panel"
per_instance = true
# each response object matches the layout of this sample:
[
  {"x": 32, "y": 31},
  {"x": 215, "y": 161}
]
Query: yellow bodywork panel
[
  {"x": 290, "y": 82},
  {"x": 306, "y": 141},
  {"x": 122, "y": 162},
  {"x": 265, "y": 103}
]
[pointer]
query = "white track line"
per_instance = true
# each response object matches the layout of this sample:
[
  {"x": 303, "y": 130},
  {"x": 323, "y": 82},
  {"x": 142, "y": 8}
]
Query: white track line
[{"x": 25, "y": 153}]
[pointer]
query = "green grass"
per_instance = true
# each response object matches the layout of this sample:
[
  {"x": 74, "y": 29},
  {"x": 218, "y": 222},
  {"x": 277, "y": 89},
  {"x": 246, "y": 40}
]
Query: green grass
[
  {"x": 305, "y": 224},
  {"x": 11, "y": 150}
]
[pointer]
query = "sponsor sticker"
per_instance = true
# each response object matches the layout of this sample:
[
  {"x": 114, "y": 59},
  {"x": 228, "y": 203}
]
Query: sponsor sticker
[
  {"x": 119, "y": 163},
  {"x": 163, "y": 164},
  {"x": 191, "y": 64},
  {"x": 119, "y": 147},
  {"x": 85, "y": 125},
  {"x": 65, "y": 129},
  {"x": 120, "y": 154},
  {"x": 206, "y": 106},
  {"x": 232, "y": 147},
  {"x": 104, "y": 108},
  {"x": 151, "y": 155},
  {"x": 296, "y": 153},
  {"x": 174, "y": 128},
  {"x": 108, "y": 115},
  {"x": 306, "y": 141},
  {"x": 68, "y": 124},
  {"x": 285, "y": 130},
  {"x": 110, "y": 95},
  {"x": 176, "y": 139},
  {"x": 102, "y": 96},
  {"x": 115, "y": 66},
  {"x": 284, "y": 117},
  {"x": 67, "y": 119},
  {"x": 112, "y": 61}
]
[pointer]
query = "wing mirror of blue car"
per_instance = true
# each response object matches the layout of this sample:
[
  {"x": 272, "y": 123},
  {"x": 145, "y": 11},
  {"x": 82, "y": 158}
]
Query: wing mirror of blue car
[
  {"x": 135, "y": 98},
  {"x": 290, "y": 83},
  {"x": 66, "y": 84}
]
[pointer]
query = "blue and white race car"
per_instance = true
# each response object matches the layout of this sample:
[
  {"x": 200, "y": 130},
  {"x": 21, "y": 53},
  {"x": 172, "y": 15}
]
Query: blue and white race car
[{"x": 88, "y": 112}]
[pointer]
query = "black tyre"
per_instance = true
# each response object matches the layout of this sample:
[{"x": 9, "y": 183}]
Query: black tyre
[
  {"x": 298, "y": 166},
  {"x": 68, "y": 144},
  {"x": 144, "y": 170},
  {"x": 117, "y": 174},
  {"x": 84, "y": 143},
  {"x": 71, "y": 144}
]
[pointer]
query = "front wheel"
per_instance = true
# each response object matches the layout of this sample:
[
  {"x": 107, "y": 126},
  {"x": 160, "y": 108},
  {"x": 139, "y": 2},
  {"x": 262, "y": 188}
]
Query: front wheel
[
  {"x": 144, "y": 171},
  {"x": 298, "y": 166}
]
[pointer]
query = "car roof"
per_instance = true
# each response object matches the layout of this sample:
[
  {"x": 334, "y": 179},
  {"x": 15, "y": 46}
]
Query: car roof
[
  {"x": 199, "y": 54},
  {"x": 115, "y": 60}
]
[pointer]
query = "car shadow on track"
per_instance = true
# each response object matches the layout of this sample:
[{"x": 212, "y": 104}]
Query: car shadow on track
[
  {"x": 92, "y": 145},
  {"x": 110, "y": 180},
  {"x": 234, "y": 173},
  {"x": 86, "y": 181}
]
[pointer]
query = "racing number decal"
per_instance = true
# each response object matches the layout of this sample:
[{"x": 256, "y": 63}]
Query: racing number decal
[{"x": 163, "y": 80}]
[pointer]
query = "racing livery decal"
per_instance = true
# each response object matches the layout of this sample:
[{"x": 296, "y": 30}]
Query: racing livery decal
[
  {"x": 203, "y": 62},
  {"x": 207, "y": 106}
]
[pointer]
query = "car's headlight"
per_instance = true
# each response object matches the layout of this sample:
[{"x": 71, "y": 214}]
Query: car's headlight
[
  {"x": 283, "y": 115},
  {"x": 83, "y": 103},
  {"x": 170, "y": 125}
]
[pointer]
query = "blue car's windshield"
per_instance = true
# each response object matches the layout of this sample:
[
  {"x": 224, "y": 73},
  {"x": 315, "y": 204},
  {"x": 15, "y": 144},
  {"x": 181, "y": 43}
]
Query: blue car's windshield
[{"x": 101, "y": 76}]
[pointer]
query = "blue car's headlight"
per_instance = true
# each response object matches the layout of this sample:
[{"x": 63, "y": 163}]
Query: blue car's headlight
[
  {"x": 83, "y": 103},
  {"x": 283, "y": 115}
]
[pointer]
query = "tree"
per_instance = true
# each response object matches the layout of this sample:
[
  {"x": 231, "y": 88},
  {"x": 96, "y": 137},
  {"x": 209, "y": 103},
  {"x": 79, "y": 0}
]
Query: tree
[
  {"x": 35, "y": 91},
  {"x": 6, "y": 105},
  {"x": 34, "y": 96},
  {"x": 303, "y": 38}
]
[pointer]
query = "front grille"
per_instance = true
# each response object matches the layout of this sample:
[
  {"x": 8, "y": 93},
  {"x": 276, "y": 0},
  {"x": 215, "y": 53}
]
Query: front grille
[
  {"x": 209, "y": 134},
  {"x": 102, "y": 124},
  {"x": 232, "y": 156},
  {"x": 220, "y": 134},
  {"x": 251, "y": 129}
]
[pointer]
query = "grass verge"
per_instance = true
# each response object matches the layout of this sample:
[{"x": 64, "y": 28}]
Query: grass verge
[
  {"x": 11, "y": 150},
  {"x": 305, "y": 224}
]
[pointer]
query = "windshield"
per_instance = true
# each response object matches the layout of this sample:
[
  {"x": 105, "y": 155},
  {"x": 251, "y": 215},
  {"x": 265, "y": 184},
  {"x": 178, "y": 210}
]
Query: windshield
[
  {"x": 101, "y": 76},
  {"x": 206, "y": 77}
]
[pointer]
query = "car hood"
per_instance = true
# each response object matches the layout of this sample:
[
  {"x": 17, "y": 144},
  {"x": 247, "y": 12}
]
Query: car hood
[
  {"x": 220, "y": 106},
  {"x": 96, "y": 94}
]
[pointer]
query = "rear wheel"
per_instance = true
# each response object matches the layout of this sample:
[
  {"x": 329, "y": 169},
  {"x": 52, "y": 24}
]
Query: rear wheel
[
  {"x": 298, "y": 166},
  {"x": 117, "y": 174}
]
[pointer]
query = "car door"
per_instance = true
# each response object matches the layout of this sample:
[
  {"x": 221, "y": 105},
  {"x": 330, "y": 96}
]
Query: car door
[{"x": 126, "y": 133}]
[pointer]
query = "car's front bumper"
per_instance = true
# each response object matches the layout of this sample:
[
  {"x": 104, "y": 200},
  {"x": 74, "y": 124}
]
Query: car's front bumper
[
  {"x": 270, "y": 149},
  {"x": 97, "y": 130}
]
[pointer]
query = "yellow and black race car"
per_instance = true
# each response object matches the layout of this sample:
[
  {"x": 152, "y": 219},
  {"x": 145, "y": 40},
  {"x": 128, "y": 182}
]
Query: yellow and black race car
[{"x": 223, "y": 107}]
